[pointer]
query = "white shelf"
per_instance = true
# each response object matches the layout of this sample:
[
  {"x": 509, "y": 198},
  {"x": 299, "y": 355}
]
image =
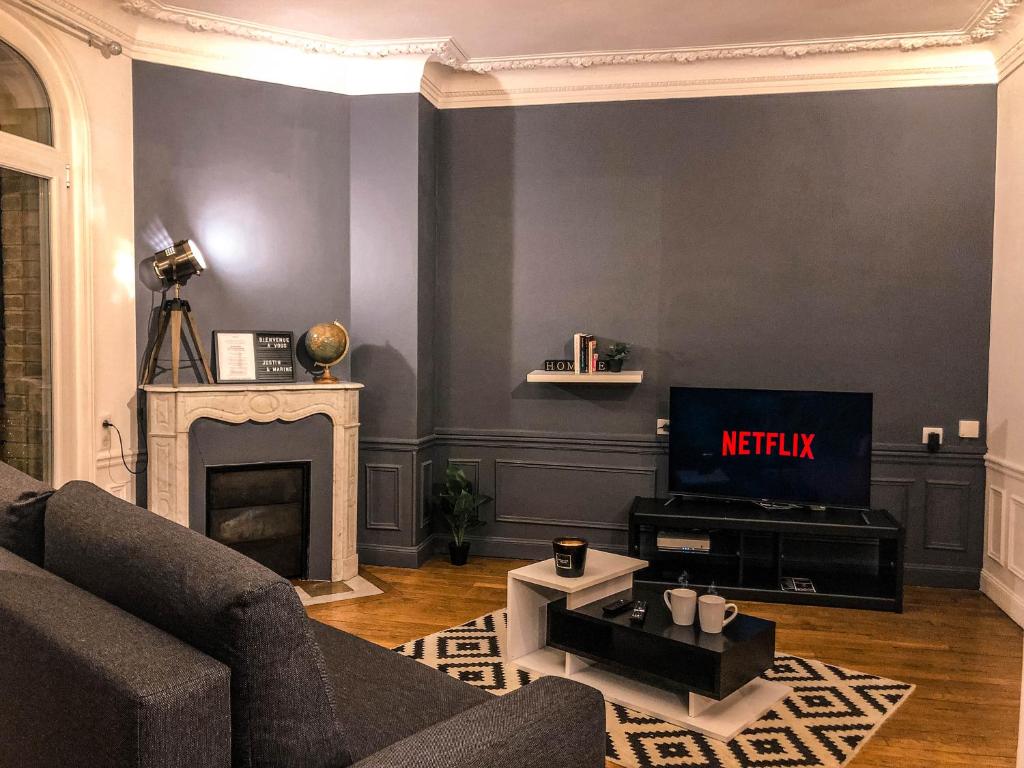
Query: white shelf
[{"x": 551, "y": 377}]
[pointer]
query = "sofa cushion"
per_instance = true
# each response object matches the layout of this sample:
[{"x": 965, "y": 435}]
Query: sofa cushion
[
  {"x": 22, "y": 506},
  {"x": 85, "y": 683},
  {"x": 382, "y": 697},
  {"x": 218, "y": 601}
]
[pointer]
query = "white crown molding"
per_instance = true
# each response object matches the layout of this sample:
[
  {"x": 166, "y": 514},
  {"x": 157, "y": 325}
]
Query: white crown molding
[
  {"x": 442, "y": 49},
  {"x": 984, "y": 25},
  {"x": 460, "y": 94},
  {"x": 452, "y": 79}
]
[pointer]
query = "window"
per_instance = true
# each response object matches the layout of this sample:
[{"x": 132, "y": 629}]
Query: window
[
  {"x": 24, "y": 105},
  {"x": 25, "y": 397}
]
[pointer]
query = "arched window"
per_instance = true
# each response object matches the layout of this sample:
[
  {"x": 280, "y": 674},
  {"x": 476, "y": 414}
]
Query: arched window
[
  {"x": 25, "y": 394},
  {"x": 24, "y": 105}
]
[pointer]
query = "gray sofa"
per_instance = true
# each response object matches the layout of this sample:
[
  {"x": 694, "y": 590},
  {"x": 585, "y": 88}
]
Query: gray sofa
[{"x": 129, "y": 640}]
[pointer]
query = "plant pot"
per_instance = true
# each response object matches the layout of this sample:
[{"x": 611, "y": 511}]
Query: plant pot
[
  {"x": 615, "y": 365},
  {"x": 459, "y": 553}
]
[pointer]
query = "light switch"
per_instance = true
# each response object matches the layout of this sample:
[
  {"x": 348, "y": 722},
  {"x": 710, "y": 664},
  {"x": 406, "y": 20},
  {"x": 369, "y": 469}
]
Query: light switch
[{"x": 970, "y": 428}]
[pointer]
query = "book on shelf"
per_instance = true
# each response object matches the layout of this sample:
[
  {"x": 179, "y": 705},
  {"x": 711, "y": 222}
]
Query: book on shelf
[{"x": 584, "y": 346}]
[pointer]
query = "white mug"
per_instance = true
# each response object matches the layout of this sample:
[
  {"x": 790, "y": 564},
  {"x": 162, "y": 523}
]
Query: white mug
[
  {"x": 683, "y": 604},
  {"x": 712, "y": 613}
]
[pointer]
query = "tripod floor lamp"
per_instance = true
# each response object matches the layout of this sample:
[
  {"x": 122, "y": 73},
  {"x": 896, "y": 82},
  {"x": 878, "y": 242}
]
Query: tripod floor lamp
[{"x": 174, "y": 266}]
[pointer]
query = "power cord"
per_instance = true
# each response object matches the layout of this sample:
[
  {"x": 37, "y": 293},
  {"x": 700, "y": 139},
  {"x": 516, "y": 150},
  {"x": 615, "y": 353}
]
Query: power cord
[{"x": 111, "y": 425}]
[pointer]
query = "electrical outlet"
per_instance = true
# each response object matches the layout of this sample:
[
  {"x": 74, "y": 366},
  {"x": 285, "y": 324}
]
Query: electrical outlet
[
  {"x": 105, "y": 432},
  {"x": 927, "y": 431},
  {"x": 662, "y": 427}
]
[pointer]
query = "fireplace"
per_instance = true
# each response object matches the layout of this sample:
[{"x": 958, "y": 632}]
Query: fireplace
[{"x": 262, "y": 511}]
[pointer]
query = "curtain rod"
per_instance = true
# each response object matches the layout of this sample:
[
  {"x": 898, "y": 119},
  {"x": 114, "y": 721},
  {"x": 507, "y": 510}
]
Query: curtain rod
[{"x": 104, "y": 45}]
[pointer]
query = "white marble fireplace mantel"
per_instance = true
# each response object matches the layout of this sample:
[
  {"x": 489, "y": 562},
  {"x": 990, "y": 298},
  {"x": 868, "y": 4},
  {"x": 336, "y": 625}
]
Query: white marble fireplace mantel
[{"x": 171, "y": 412}]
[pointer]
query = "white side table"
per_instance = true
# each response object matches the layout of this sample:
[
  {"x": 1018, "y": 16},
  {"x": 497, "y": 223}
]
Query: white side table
[{"x": 532, "y": 587}]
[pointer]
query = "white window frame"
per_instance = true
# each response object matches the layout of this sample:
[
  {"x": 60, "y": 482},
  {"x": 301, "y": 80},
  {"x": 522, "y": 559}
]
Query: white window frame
[{"x": 66, "y": 166}]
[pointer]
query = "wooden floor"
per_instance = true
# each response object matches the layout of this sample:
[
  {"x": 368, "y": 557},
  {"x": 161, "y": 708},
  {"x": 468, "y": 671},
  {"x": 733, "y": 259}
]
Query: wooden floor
[{"x": 963, "y": 654}]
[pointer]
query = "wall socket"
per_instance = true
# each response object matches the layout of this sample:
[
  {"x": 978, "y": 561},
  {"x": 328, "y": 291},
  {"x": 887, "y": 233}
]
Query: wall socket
[
  {"x": 662, "y": 428},
  {"x": 927, "y": 431},
  {"x": 105, "y": 432}
]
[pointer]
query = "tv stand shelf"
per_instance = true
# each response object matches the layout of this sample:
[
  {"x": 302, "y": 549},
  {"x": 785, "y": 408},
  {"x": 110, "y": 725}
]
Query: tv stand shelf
[{"x": 854, "y": 558}]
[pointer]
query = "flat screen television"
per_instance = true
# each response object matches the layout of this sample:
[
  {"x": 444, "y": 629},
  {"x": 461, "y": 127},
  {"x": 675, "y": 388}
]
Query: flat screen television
[{"x": 777, "y": 446}]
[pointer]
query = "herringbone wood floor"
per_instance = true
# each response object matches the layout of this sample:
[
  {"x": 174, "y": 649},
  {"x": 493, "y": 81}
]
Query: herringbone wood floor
[{"x": 961, "y": 651}]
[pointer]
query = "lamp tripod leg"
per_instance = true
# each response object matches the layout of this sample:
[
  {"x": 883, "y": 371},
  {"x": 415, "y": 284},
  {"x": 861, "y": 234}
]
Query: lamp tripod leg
[
  {"x": 175, "y": 345},
  {"x": 149, "y": 371},
  {"x": 198, "y": 345}
]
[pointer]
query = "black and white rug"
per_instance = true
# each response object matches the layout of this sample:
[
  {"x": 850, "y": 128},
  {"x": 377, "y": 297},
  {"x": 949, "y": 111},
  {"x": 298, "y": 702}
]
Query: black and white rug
[{"x": 830, "y": 715}]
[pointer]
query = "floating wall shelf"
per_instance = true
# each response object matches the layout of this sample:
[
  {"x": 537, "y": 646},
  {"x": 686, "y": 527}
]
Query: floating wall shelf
[{"x": 552, "y": 377}]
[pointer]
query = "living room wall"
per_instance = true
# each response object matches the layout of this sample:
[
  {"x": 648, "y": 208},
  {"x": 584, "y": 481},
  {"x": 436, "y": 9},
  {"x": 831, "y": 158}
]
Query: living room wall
[
  {"x": 815, "y": 241},
  {"x": 257, "y": 174}
]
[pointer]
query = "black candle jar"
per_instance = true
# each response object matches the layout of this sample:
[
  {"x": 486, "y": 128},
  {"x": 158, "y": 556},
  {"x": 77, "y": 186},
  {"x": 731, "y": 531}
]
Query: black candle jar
[{"x": 570, "y": 556}]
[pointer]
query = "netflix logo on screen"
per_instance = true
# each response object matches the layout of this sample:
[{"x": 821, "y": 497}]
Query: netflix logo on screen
[{"x": 797, "y": 445}]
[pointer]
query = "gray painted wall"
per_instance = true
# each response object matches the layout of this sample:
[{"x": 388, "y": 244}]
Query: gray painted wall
[
  {"x": 257, "y": 174},
  {"x": 816, "y": 241},
  {"x": 393, "y": 261},
  {"x": 819, "y": 241}
]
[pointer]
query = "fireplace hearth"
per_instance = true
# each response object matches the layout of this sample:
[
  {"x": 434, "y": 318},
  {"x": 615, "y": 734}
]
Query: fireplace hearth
[{"x": 262, "y": 511}]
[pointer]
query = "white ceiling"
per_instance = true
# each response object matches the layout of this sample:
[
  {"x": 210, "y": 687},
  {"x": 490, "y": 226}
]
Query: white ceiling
[{"x": 498, "y": 28}]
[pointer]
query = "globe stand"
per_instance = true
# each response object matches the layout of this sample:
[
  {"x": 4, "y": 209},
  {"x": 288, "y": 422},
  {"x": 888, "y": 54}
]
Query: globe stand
[{"x": 326, "y": 377}]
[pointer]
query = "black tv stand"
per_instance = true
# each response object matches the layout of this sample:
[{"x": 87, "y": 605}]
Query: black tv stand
[{"x": 853, "y": 558}]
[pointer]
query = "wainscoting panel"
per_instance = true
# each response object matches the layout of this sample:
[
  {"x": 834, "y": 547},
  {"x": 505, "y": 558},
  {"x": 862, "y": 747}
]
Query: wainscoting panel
[
  {"x": 569, "y": 495},
  {"x": 549, "y": 484},
  {"x": 383, "y": 497},
  {"x": 995, "y": 516},
  {"x": 893, "y": 494},
  {"x": 946, "y": 510},
  {"x": 1002, "y": 578},
  {"x": 426, "y": 488}
]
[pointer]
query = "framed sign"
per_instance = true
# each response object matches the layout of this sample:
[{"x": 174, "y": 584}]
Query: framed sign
[{"x": 254, "y": 357}]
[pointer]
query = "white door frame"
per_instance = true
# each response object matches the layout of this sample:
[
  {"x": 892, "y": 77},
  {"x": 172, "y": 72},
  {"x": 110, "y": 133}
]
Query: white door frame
[{"x": 70, "y": 252}]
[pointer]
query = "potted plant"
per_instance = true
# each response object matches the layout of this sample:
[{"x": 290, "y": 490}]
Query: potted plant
[
  {"x": 461, "y": 506},
  {"x": 617, "y": 352}
]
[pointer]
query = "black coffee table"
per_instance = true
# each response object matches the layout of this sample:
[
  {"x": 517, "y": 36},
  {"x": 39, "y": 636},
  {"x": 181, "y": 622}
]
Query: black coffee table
[{"x": 706, "y": 682}]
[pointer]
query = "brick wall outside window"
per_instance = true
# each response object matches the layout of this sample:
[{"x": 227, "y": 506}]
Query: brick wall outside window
[{"x": 24, "y": 386}]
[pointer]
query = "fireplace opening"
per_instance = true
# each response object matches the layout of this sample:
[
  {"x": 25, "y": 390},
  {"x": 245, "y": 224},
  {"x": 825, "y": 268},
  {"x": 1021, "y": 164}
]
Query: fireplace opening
[{"x": 262, "y": 511}]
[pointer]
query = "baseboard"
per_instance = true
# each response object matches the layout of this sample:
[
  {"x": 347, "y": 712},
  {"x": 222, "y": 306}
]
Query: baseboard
[
  {"x": 949, "y": 576},
  {"x": 397, "y": 556},
  {"x": 1009, "y": 603}
]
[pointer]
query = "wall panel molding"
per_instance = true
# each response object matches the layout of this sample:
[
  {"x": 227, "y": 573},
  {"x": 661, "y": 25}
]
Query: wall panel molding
[
  {"x": 503, "y": 468},
  {"x": 383, "y": 484},
  {"x": 426, "y": 491},
  {"x": 946, "y": 522},
  {"x": 995, "y": 524},
  {"x": 1014, "y": 546},
  {"x": 903, "y": 486}
]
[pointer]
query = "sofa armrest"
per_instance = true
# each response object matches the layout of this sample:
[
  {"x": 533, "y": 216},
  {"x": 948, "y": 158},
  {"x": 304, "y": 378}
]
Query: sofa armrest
[{"x": 551, "y": 723}]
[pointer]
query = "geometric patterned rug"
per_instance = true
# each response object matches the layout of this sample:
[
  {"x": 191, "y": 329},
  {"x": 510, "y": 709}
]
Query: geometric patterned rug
[{"x": 830, "y": 715}]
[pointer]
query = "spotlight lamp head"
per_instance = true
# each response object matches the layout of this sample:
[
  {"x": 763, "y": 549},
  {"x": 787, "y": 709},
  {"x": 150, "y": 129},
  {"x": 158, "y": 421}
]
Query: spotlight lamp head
[{"x": 175, "y": 265}]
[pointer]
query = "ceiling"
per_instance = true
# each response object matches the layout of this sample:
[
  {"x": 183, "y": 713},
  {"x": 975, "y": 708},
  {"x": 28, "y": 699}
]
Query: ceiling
[{"x": 498, "y": 28}]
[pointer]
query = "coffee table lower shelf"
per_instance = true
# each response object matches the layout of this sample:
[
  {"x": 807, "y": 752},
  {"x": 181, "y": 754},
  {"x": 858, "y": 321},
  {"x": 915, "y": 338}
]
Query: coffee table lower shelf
[{"x": 721, "y": 720}]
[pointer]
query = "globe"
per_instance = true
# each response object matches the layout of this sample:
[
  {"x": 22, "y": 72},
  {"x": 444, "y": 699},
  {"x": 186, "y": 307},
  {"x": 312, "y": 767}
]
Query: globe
[{"x": 327, "y": 344}]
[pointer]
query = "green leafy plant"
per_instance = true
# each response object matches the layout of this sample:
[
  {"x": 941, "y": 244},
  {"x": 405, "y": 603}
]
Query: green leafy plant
[
  {"x": 460, "y": 504},
  {"x": 618, "y": 351}
]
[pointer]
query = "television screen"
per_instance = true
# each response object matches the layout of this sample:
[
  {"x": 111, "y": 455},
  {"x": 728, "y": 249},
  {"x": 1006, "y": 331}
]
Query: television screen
[{"x": 808, "y": 448}]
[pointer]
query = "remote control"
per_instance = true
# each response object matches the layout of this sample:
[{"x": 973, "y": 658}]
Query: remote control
[
  {"x": 639, "y": 612},
  {"x": 619, "y": 606}
]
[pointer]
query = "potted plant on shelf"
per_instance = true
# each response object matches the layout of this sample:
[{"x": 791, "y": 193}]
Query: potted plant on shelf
[
  {"x": 461, "y": 507},
  {"x": 617, "y": 352}
]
